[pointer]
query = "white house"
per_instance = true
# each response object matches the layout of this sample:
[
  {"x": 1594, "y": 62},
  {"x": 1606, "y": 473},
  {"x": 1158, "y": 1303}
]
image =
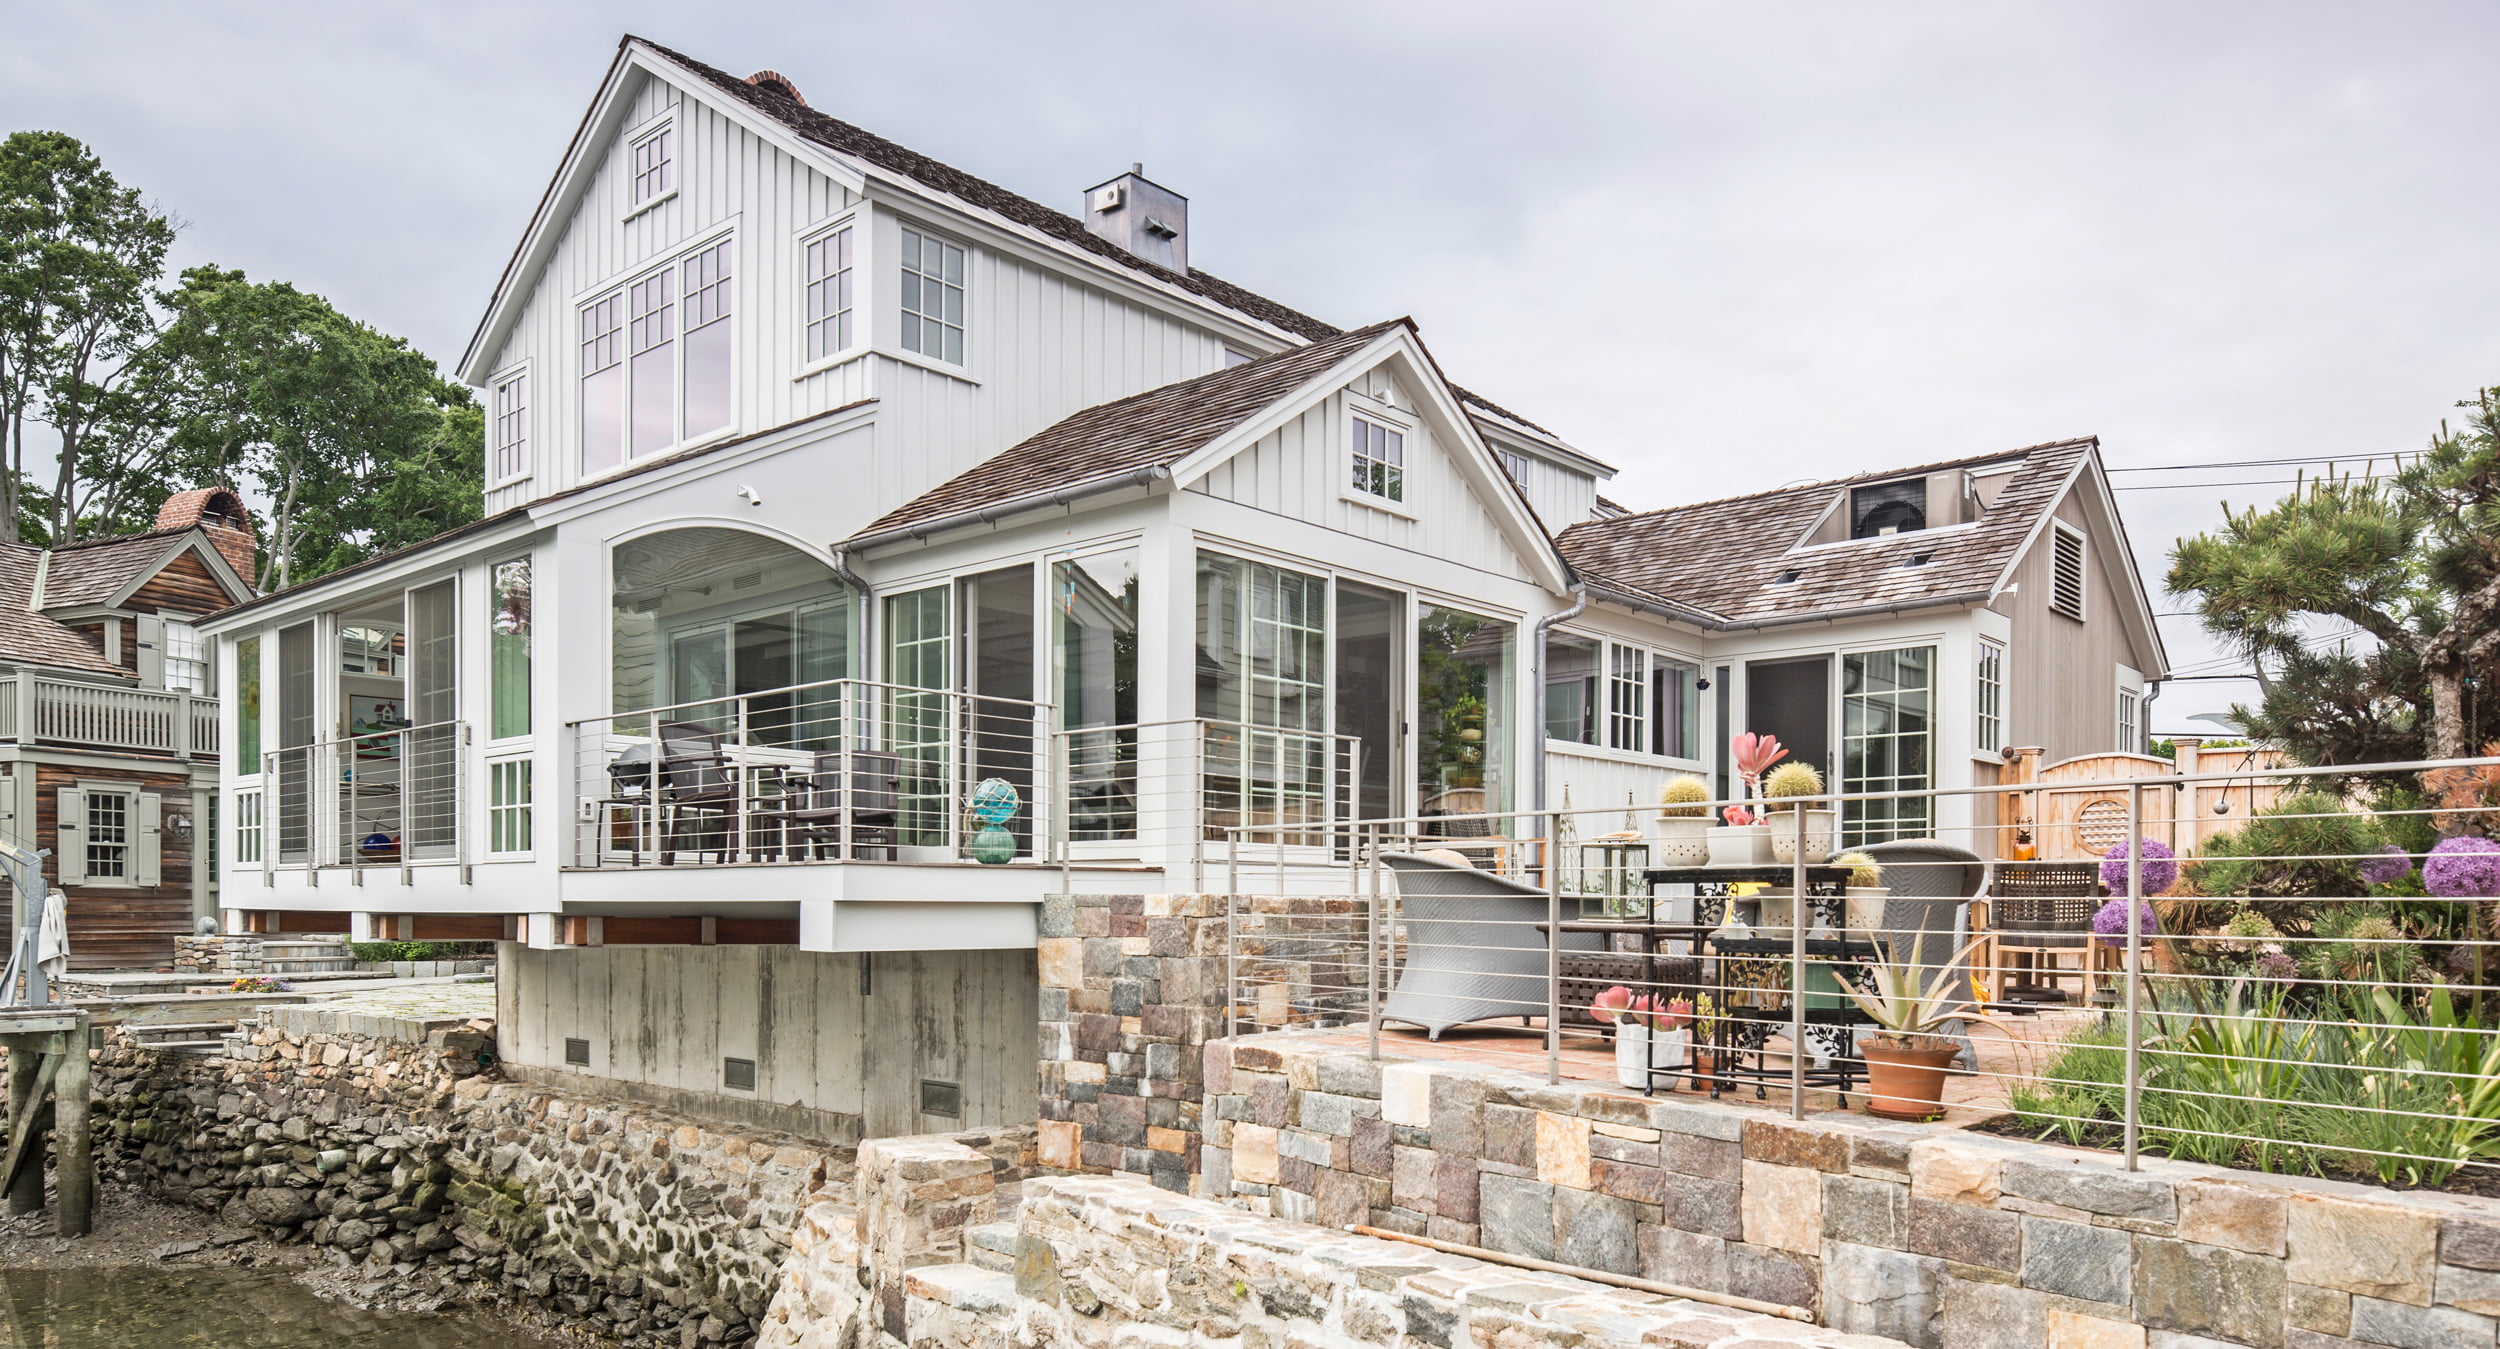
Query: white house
[{"x": 828, "y": 483}]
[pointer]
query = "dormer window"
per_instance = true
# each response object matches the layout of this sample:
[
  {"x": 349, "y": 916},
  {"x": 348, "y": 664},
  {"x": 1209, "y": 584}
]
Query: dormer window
[{"x": 1887, "y": 508}]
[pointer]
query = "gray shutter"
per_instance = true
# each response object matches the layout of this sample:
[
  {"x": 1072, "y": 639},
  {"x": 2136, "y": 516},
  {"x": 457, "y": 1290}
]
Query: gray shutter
[
  {"x": 69, "y": 846},
  {"x": 151, "y": 651},
  {"x": 147, "y": 843}
]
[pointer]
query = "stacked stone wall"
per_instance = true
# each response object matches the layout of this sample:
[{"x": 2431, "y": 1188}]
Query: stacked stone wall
[
  {"x": 390, "y": 1143},
  {"x": 1933, "y": 1236}
]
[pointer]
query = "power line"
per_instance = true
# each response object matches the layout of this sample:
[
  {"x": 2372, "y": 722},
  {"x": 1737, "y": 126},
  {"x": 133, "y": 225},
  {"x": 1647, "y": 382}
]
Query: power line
[
  {"x": 2191, "y": 486},
  {"x": 2263, "y": 463}
]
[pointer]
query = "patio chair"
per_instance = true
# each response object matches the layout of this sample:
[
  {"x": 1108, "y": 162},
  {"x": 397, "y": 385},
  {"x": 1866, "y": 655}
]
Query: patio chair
[
  {"x": 2040, "y": 911},
  {"x": 1473, "y": 951},
  {"x": 818, "y": 804},
  {"x": 1927, "y": 916},
  {"x": 697, "y": 798}
]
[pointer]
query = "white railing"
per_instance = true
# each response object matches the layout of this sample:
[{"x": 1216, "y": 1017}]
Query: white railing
[
  {"x": 62, "y": 712},
  {"x": 387, "y": 799},
  {"x": 841, "y": 770}
]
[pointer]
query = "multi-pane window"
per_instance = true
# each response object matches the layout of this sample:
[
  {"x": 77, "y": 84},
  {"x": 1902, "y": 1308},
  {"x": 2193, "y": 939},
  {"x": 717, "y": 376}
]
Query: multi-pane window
[
  {"x": 654, "y": 166},
  {"x": 828, "y": 276},
  {"x": 1624, "y": 697},
  {"x": 512, "y": 427},
  {"x": 1379, "y": 460},
  {"x": 2130, "y": 728},
  {"x": 508, "y": 791},
  {"x": 656, "y": 360},
  {"x": 108, "y": 835},
  {"x": 603, "y": 384},
  {"x": 1263, "y": 670},
  {"x": 508, "y": 650},
  {"x": 247, "y": 827},
  {"x": 186, "y": 658},
  {"x": 933, "y": 297},
  {"x": 1887, "y": 741},
  {"x": 1513, "y": 463},
  {"x": 1627, "y": 698},
  {"x": 1991, "y": 696}
]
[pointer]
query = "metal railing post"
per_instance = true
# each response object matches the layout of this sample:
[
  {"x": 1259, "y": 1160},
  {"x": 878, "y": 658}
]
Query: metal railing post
[
  {"x": 463, "y": 800},
  {"x": 1553, "y": 952},
  {"x": 1232, "y": 970},
  {"x": 2135, "y": 972},
  {"x": 1797, "y": 969},
  {"x": 1371, "y": 948},
  {"x": 739, "y": 845}
]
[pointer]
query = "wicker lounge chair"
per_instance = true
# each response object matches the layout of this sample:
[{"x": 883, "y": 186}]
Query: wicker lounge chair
[{"x": 1473, "y": 951}]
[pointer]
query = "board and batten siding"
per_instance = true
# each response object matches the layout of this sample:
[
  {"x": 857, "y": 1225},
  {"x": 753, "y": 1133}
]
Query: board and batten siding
[
  {"x": 831, "y": 1059},
  {"x": 725, "y": 175},
  {"x": 1302, "y": 471},
  {"x": 1563, "y": 497},
  {"x": 2062, "y": 684}
]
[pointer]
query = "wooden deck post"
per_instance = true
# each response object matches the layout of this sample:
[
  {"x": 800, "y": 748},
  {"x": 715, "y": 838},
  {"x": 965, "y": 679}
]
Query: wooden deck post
[
  {"x": 73, "y": 1162},
  {"x": 25, "y": 1060},
  {"x": 48, "y": 1054}
]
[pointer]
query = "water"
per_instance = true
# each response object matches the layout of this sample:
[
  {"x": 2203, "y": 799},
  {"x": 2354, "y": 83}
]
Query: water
[{"x": 152, "y": 1308}]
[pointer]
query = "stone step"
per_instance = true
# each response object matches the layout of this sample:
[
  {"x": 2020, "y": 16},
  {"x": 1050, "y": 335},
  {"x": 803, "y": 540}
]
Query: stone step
[
  {"x": 199, "y": 1048},
  {"x": 310, "y": 946},
  {"x": 179, "y": 1030},
  {"x": 991, "y": 1246},
  {"x": 308, "y": 964}
]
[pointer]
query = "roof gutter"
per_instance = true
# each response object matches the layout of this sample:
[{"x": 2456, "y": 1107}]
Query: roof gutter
[
  {"x": 1696, "y": 617},
  {"x": 992, "y": 514}
]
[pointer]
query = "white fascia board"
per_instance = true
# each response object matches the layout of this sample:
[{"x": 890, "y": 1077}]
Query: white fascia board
[
  {"x": 1399, "y": 348},
  {"x": 2048, "y": 514},
  {"x": 599, "y": 125},
  {"x": 1542, "y": 443},
  {"x": 324, "y": 593},
  {"x": 895, "y": 192}
]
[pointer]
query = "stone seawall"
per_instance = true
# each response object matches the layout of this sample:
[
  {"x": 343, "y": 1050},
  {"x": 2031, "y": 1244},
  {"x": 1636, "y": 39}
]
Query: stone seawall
[
  {"x": 390, "y": 1142},
  {"x": 1925, "y": 1234}
]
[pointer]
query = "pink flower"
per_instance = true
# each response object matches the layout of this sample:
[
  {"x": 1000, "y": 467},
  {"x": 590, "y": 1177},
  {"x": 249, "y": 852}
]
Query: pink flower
[
  {"x": 1754, "y": 755},
  {"x": 1738, "y": 816}
]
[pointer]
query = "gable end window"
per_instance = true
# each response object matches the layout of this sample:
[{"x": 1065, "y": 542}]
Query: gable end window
[
  {"x": 1887, "y": 508},
  {"x": 933, "y": 297},
  {"x": 828, "y": 277},
  {"x": 2066, "y": 571},
  {"x": 655, "y": 360},
  {"x": 512, "y": 427},
  {"x": 655, "y": 170},
  {"x": 1379, "y": 460}
]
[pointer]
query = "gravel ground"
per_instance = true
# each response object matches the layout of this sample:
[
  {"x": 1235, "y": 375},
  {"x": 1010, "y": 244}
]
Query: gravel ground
[{"x": 132, "y": 1229}]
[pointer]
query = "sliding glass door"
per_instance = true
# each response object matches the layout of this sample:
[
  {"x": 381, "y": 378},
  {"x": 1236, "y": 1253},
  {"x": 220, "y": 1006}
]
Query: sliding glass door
[
  {"x": 1093, "y": 602},
  {"x": 1262, "y": 683},
  {"x": 1887, "y": 741}
]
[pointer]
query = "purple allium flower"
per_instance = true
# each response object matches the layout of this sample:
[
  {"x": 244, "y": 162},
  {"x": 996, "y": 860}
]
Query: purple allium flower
[
  {"x": 2391, "y": 865},
  {"x": 2463, "y": 868},
  {"x": 2110, "y": 924},
  {"x": 2159, "y": 870},
  {"x": 2275, "y": 968}
]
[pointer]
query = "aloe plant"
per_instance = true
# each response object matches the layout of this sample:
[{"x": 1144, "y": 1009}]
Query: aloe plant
[{"x": 1908, "y": 1003}]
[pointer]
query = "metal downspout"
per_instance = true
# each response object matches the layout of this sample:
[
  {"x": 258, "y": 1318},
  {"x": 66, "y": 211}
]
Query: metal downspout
[
  {"x": 2144, "y": 714},
  {"x": 867, "y": 610},
  {"x": 1536, "y": 684}
]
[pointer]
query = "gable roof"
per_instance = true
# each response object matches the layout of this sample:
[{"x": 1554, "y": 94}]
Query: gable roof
[
  {"x": 1725, "y": 557},
  {"x": 770, "y": 99},
  {"x": 27, "y": 637},
  {"x": 95, "y": 570},
  {"x": 1123, "y": 438}
]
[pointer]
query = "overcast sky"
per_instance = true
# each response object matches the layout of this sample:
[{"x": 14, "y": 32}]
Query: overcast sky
[{"x": 1721, "y": 247}]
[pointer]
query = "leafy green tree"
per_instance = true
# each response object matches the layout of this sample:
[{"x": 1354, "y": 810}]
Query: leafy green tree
[
  {"x": 2411, "y": 559},
  {"x": 79, "y": 255}
]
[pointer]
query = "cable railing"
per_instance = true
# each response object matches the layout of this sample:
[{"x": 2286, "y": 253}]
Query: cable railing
[
  {"x": 838, "y": 770},
  {"x": 2315, "y": 989},
  {"x": 1174, "y": 793},
  {"x": 391, "y": 799}
]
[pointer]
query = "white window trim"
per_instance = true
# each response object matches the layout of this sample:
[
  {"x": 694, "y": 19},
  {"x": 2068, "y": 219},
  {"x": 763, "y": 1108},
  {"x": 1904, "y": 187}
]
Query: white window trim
[
  {"x": 1379, "y": 414},
  {"x": 863, "y": 296},
  {"x": 529, "y": 418},
  {"x": 737, "y": 354},
  {"x": 888, "y": 297},
  {"x": 665, "y": 122},
  {"x": 2083, "y": 567},
  {"x": 1603, "y": 747}
]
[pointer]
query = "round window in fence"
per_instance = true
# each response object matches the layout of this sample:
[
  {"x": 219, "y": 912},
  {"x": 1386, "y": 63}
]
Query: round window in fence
[{"x": 2101, "y": 825}]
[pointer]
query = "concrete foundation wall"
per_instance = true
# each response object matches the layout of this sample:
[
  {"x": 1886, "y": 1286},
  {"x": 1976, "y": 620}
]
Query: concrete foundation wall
[{"x": 835, "y": 1058}]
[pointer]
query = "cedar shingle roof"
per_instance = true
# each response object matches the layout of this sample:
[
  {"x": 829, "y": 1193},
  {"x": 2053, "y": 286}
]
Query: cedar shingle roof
[
  {"x": 94, "y": 571},
  {"x": 1159, "y": 427},
  {"x": 30, "y": 638},
  {"x": 1725, "y": 557},
  {"x": 844, "y": 138}
]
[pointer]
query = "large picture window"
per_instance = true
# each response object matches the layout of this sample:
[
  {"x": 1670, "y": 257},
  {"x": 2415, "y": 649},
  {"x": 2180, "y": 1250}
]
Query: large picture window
[
  {"x": 247, "y": 706},
  {"x": 1093, "y": 602},
  {"x": 718, "y": 625},
  {"x": 508, "y": 650},
  {"x": 1263, "y": 676},
  {"x": 1464, "y": 701},
  {"x": 656, "y": 359}
]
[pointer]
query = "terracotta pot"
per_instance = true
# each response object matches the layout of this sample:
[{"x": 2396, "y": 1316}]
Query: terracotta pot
[
  {"x": 1705, "y": 1066},
  {"x": 1905, "y": 1083}
]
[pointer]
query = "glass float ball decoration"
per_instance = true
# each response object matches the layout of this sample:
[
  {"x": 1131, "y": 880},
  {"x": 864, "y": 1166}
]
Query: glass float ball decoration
[
  {"x": 994, "y": 846},
  {"x": 995, "y": 801}
]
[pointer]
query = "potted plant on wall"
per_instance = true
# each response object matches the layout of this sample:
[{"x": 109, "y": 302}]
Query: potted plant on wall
[
  {"x": 1782, "y": 789},
  {"x": 1626, "y": 1012},
  {"x": 1745, "y": 841},
  {"x": 1683, "y": 822},
  {"x": 1905, "y": 1055}
]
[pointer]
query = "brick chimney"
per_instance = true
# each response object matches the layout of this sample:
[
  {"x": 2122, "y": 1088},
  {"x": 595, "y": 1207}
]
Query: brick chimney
[{"x": 219, "y": 512}]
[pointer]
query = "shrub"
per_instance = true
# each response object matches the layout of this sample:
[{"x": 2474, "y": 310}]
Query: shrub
[
  {"x": 384, "y": 952},
  {"x": 2305, "y": 847},
  {"x": 2362, "y": 944}
]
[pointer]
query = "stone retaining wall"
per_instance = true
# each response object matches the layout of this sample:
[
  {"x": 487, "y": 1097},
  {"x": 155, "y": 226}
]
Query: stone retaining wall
[
  {"x": 1095, "y": 1261},
  {"x": 390, "y": 1142},
  {"x": 1929, "y": 1235}
]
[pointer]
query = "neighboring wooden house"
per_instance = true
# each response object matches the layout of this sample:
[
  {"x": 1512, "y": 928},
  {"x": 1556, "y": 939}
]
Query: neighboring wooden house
[
  {"x": 108, "y": 723},
  {"x": 827, "y": 483}
]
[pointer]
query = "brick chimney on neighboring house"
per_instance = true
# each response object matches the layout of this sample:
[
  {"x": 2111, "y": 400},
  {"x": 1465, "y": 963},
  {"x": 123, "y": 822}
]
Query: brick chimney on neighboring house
[{"x": 220, "y": 512}]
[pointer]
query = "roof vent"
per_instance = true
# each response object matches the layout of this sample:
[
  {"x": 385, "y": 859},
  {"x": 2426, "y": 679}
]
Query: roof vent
[
  {"x": 774, "y": 82},
  {"x": 1788, "y": 577},
  {"x": 1916, "y": 560},
  {"x": 1142, "y": 216}
]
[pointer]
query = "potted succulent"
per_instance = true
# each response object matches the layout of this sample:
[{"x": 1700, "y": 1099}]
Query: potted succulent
[
  {"x": 1905, "y": 1056},
  {"x": 1683, "y": 822},
  {"x": 1787, "y": 783},
  {"x": 1867, "y": 891},
  {"x": 1744, "y": 841}
]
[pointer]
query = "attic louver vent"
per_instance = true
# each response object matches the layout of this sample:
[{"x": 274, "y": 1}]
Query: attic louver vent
[
  {"x": 2066, "y": 573},
  {"x": 747, "y": 582}
]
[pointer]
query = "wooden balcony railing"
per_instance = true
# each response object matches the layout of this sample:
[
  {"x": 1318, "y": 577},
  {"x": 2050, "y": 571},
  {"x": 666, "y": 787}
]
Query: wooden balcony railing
[{"x": 36, "y": 710}]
